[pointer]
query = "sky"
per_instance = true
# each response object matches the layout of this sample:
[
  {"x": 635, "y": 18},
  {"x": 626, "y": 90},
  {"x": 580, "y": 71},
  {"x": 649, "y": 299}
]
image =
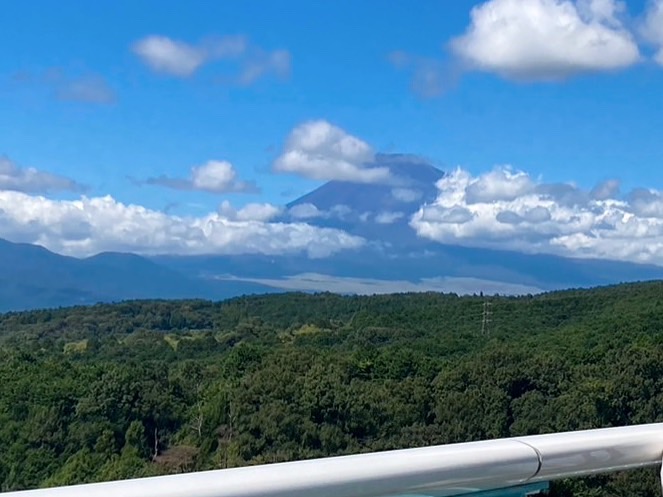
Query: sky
[{"x": 171, "y": 127}]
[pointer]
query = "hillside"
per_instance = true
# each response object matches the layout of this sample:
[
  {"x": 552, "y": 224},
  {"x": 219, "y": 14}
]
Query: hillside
[
  {"x": 33, "y": 277},
  {"x": 153, "y": 387}
]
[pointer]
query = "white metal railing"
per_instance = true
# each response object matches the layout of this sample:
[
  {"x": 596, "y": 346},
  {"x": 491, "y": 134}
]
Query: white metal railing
[{"x": 442, "y": 470}]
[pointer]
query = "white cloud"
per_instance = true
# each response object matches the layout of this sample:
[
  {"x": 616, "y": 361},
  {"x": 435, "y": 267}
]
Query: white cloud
[
  {"x": 321, "y": 151},
  {"x": 165, "y": 55},
  {"x": 262, "y": 212},
  {"x": 388, "y": 217},
  {"x": 450, "y": 215},
  {"x": 277, "y": 62},
  {"x": 605, "y": 190},
  {"x": 304, "y": 211},
  {"x": 213, "y": 177},
  {"x": 90, "y": 225},
  {"x": 652, "y": 28},
  {"x": 168, "y": 56},
  {"x": 406, "y": 195},
  {"x": 542, "y": 40},
  {"x": 31, "y": 180},
  {"x": 180, "y": 59},
  {"x": 511, "y": 210},
  {"x": 310, "y": 211},
  {"x": 646, "y": 203},
  {"x": 499, "y": 184},
  {"x": 340, "y": 211}
]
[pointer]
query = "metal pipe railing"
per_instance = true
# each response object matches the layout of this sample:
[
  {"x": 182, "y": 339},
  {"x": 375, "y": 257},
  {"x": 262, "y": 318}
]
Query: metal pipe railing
[{"x": 441, "y": 470}]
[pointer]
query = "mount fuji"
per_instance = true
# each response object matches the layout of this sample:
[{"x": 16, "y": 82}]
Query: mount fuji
[
  {"x": 376, "y": 212},
  {"x": 395, "y": 259}
]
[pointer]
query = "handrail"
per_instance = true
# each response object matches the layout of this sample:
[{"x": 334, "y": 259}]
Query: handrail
[{"x": 441, "y": 470}]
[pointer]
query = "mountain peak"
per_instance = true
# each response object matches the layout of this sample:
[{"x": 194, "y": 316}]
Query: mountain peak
[
  {"x": 407, "y": 167},
  {"x": 375, "y": 211},
  {"x": 413, "y": 182}
]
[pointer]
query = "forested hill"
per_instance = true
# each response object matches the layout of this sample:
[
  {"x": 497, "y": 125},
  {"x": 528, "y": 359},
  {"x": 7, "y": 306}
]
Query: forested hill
[{"x": 152, "y": 387}]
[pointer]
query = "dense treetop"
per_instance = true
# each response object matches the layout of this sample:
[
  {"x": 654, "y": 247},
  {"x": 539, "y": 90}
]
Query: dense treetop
[{"x": 153, "y": 387}]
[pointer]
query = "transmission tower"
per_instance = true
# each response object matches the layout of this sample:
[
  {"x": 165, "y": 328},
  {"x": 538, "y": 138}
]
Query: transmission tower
[{"x": 486, "y": 318}]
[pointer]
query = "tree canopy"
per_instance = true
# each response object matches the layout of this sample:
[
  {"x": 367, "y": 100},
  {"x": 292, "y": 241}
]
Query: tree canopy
[{"x": 155, "y": 387}]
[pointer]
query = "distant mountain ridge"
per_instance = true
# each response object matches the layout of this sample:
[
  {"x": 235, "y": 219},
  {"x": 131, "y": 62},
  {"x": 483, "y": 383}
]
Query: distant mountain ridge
[{"x": 33, "y": 277}]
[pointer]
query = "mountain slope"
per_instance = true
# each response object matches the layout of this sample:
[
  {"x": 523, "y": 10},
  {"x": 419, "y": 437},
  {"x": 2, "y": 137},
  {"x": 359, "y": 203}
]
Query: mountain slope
[
  {"x": 378, "y": 212},
  {"x": 33, "y": 277},
  {"x": 408, "y": 172}
]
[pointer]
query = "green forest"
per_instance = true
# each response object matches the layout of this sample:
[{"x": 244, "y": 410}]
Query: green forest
[{"x": 143, "y": 388}]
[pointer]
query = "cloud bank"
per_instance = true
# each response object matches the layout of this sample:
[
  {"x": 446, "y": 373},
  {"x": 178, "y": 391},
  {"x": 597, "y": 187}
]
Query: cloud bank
[
  {"x": 509, "y": 209},
  {"x": 91, "y": 225}
]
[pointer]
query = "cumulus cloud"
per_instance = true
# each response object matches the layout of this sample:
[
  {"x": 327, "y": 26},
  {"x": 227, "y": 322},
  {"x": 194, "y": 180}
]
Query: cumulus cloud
[
  {"x": 605, "y": 190},
  {"x": 321, "y": 151},
  {"x": 499, "y": 184},
  {"x": 180, "y": 59},
  {"x": 652, "y": 28},
  {"x": 388, "y": 217},
  {"x": 304, "y": 211},
  {"x": 406, "y": 195},
  {"x": 213, "y": 177},
  {"x": 542, "y": 40},
  {"x": 511, "y": 210},
  {"x": 262, "y": 212},
  {"x": 90, "y": 225},
  {"x": 311, "y": 211},
  {"x": 340, "y": 211},
  {"x": 451, "y": 215},
  {"x": 31, "y": 180},
  {"x": 646, "y": 203}
]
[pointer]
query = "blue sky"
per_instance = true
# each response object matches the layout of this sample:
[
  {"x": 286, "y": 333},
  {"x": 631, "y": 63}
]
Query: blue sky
[{"x": 109, "y": 95}]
